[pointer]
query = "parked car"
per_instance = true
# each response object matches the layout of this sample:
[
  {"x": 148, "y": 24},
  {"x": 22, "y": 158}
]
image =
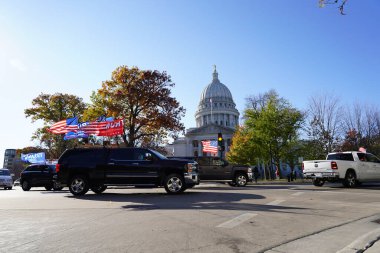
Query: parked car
[
  {"x": 5, "y": 179},
  {"x": 39, "y": 175},
  {"x": 82, "y": 169},
  {"x": 217, "y": 169}
]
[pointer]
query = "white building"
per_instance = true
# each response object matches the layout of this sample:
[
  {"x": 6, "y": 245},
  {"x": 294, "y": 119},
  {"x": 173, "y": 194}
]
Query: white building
[{"x": 216, "y": 113}]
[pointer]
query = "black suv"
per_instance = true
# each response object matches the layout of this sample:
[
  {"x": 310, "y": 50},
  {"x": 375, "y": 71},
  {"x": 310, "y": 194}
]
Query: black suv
[
  {"x": 96, "y": 168},
  {"x": 213, "y": 168},
  {"x": 39, "y": 175}
]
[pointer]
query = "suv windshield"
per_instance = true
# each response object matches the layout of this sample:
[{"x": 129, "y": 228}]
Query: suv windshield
[{"x": 4, "y": 173}]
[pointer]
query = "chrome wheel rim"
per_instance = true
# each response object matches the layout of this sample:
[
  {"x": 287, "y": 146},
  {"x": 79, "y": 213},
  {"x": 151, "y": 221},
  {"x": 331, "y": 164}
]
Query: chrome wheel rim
[
  {"x": 241, "y": 180},
  {"x": 351, "y": 180},
  {"x": 174, "y": 184},
  {"x": 77, "y": 185}
]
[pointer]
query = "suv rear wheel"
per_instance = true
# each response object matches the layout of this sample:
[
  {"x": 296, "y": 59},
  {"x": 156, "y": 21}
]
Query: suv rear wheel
[
  {"x": 241, "y": 179},
  {"x": 174, "y": 184},
  {"x": 78, "y": 185},
  {"x": 25, "y": 185}
]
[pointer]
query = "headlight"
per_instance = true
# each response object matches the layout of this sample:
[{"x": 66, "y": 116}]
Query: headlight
[{"x": 189, "y": 167}]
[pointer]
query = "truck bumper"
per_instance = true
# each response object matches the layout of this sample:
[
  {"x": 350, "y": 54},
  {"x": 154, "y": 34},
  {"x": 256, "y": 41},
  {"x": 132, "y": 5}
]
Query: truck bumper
[
  {"x": 330, "y": 176},
  {"x": 191, "y": 178}
]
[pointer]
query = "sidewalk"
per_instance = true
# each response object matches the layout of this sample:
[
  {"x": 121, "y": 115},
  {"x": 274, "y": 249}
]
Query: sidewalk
[
  {"x": 357, "y": 236},
  {"x": 282, "y": 181}
]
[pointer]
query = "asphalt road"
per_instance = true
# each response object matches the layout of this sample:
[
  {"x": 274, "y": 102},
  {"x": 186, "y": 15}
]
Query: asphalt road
[{"x": 211, "y": 217}]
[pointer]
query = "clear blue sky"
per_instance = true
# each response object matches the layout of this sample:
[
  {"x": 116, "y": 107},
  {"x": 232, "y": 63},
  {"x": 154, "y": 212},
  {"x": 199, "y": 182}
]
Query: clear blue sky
[{"x": 294, "y": 47}]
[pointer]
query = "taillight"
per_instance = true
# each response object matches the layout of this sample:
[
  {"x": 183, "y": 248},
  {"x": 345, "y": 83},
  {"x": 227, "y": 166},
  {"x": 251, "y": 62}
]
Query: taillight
[
  {"x": 334, "y": 165},
  {"x": 57, "y": 167}
]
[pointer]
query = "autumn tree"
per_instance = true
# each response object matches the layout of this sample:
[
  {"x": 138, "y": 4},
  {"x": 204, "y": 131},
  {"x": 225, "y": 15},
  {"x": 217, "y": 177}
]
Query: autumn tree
[
  {"x": 241, "y": 143},
  {"x": 143, "y": 99},
  {"x": 270, "y": 129},
  {"x": 51, "y": 109}
]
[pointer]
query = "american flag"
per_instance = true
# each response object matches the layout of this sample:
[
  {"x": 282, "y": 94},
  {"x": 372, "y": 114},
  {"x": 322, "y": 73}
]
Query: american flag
[
  {"x": 103, "y": 128},
  {"x": 64, "y": 126},
  {"x": 210, "y": 146}
]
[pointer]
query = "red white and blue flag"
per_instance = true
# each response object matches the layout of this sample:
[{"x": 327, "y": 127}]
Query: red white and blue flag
[
  {"x": 210, "y": 146},
  {"x": 104, "y": 128},
  {"x": 64, "y": 126}
]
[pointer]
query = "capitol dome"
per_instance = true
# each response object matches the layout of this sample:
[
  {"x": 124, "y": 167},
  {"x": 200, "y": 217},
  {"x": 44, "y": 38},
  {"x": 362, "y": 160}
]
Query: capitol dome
[
  {"x": 216, "y": 105},
  {"x": 216, "y": 90}
]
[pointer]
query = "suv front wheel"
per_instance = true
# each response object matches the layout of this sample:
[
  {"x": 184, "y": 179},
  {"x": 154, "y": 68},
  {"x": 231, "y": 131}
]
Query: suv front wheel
[
  {"x": 174, "y": 184},
  {"x": 78, "y": 185},
  {"x": 241, "y": 179}
]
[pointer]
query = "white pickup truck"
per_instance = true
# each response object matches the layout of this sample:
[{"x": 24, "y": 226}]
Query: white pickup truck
[{"x": 351, "y": 168}]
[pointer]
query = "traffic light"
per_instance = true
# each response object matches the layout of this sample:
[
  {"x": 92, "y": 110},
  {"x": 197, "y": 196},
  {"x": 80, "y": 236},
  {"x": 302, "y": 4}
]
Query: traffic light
[{"x": 220, "y": 140}]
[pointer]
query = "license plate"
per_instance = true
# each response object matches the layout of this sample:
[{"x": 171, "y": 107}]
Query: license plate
[{"x": 318, "y": 174}]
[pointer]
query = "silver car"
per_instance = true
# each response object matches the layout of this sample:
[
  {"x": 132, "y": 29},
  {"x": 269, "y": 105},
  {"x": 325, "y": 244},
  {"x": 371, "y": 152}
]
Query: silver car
[{"x": 6, "y": 179}]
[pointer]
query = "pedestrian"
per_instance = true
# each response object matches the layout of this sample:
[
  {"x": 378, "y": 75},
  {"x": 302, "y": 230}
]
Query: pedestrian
[{"x": 256, "y": 173}]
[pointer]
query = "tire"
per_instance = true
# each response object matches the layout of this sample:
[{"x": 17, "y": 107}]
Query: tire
[
  {"x": 25, "y": 185},
  {"x": 10, "y": 188},
  {"x": 318, "y": 182},
  {"x": 350, "y": 179},
  {"x": 48, "y": 187},
  {"x": 174, "y": 184},
  {"x": 99, "y": 189},
  {"x": 241, "y": 180},
  {"x": 78, "y": 185}
]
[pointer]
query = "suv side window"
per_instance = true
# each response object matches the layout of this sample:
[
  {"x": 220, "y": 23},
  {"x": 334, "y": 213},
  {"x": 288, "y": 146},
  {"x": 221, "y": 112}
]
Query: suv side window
[
  {"x": 121, "y": 154},
  {"x": 142, "y": 155},
  {"x": 84, "y": 157}
]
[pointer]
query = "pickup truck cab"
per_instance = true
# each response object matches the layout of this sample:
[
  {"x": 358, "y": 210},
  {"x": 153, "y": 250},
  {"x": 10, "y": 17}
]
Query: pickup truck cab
[
  {"x": 82, "y": 169},
  {"x": 351, "y": 168}
]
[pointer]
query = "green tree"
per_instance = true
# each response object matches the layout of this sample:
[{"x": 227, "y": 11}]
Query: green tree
[
  {"x": 51, "y": 109},
  {"x": 143, "y": 99},
  {"x": 271, "y": 129}
]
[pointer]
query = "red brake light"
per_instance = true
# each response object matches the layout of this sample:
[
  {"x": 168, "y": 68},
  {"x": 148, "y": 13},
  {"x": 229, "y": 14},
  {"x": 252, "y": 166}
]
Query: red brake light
[
  {"x": 57, "y": 167},
  {"x": 334, "y": 166}
]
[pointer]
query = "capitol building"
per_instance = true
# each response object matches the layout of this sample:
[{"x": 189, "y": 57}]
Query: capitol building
[{"x": 216, "y": 113}]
